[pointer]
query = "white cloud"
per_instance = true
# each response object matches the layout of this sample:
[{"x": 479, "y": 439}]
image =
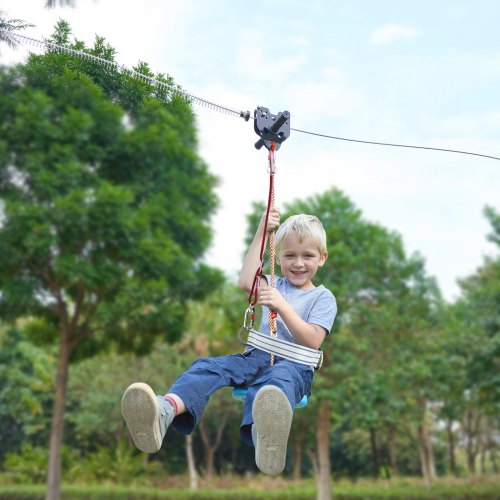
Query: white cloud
[{"x": 391, "y": 32}]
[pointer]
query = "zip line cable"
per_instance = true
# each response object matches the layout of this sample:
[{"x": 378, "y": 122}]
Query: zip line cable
[
  {"x": 21, "y": 39},
  {"x": 393, "y": 144}
]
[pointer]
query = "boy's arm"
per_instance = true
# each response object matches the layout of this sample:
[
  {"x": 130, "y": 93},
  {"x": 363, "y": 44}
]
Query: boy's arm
[
  {"x": 306, "y": 334},
  {"x": 252, "y": 259}
]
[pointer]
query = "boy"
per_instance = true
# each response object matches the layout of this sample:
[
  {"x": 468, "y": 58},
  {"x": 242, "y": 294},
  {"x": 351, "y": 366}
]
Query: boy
[{"x": 305, "y": 315}]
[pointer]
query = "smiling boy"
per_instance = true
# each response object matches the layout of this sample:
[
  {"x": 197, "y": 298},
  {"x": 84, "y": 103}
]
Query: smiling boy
[{"x": 305, "y": 316}]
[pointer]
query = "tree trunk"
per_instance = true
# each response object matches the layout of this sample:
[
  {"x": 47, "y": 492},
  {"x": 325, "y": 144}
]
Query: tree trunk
[
  {"x": 297, "y": 441},
  {"x": 487, "y": 442},
  {"x": 425, "y": 449},
  {"x": 375, "y": 460},
  {"x": 471, "y": 428},
  {"x": 393, "y": 451},
  {"x": 193, "y": 475},
  {"x": 297, "y": 461},
  {"x": 451, "y": 446},
  {"x": 323, "y": 443},
  {"x": 211, "y": 448},
  {"x": 426, "y": 454},
  {"x": 493, "y": 458},
  {"x": 424, "y": 465},
  {"x": 484, "y": 444},
  {"x": 209, "y": 451},
  {"x": 471, "y": 461},
  {"x": 314, "y": 462},
  {"x": 482, "y": 458},
  {"x": 57, "y": 426},
  {"x": 430, "y": 452}
]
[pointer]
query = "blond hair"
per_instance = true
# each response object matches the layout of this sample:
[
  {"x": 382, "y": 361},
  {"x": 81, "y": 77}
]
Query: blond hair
[{"x": 304, "y": 226}]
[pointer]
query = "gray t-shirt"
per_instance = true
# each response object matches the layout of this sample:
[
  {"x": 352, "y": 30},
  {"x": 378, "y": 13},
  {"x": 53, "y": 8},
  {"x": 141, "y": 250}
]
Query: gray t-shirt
[{"x": 315, "y": 305}]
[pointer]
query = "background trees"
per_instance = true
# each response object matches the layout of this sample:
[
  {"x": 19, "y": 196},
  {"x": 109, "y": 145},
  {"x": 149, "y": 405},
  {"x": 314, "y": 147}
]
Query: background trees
[
  {"x": 400, "y": 380},
  {"x": 387, "y": 308}
]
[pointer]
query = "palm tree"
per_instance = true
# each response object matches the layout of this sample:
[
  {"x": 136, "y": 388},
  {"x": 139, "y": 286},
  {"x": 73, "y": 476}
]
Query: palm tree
[
  {"x": 49, "y": 4},
  {"x": 8, "y": 27}
]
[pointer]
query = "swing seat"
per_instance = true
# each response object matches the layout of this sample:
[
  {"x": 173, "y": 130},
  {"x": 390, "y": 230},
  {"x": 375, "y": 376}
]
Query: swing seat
[{"x": 240, "y": 394}]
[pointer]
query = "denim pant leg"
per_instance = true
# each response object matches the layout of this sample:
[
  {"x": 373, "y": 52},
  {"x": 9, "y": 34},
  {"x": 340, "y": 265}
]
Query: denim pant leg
[
  {"x": 294, "y": 379},
  {"x": 203, "y": 378}
]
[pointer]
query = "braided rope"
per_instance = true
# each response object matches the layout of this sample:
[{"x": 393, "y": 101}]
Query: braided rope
[{"x": 273, "y": 328}]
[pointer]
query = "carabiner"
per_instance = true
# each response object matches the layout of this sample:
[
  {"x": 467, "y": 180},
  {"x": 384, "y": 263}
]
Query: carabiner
[{"x": 249, "y": 318}]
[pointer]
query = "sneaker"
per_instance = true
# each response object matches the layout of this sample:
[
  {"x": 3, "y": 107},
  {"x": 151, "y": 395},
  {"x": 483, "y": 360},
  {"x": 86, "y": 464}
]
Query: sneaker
[
  {"x": 147, "y": 416},
  {"x": 272, "y": 417}
]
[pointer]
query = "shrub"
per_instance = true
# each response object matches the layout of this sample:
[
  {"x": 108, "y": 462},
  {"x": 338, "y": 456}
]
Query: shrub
[
  {"x": 27, "y": 467},
  {"x": 119, "y": 466}
]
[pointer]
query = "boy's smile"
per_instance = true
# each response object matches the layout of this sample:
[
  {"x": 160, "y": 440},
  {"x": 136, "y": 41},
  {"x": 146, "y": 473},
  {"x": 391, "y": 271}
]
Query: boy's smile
[{"x": 299, "y": 261}]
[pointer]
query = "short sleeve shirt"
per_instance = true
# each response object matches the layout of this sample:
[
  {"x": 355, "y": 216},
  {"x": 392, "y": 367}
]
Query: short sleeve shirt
[{"x": 315, "y": 305}]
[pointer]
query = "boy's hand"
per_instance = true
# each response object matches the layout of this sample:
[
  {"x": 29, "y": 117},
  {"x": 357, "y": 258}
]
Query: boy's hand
[
  {"x": 274, "y": 219},
  {"x": 270, "y": 297}
]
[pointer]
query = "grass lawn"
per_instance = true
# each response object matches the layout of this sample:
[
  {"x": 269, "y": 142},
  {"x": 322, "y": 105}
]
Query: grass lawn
[{"x": 273, "y": 488}]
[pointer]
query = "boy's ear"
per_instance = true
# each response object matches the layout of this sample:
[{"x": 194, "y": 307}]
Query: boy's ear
[{"x": 323, "y": 258}]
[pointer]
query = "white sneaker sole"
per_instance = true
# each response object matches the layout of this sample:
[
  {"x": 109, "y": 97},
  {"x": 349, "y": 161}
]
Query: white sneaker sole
[
  {"x": 272, "y": 417},
  {"x": 141, "y": 412}
]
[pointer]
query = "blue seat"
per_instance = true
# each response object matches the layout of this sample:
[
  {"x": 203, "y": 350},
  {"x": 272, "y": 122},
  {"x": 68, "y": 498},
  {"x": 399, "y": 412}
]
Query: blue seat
[{"x": 240, "y": 394}]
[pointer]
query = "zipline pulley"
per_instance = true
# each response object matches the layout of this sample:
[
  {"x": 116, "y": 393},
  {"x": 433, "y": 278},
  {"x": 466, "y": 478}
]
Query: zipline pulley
[{"x": 271, "y": 128}]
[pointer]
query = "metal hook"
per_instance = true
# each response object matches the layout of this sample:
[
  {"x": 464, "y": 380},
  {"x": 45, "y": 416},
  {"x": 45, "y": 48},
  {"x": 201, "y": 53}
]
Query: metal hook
[{"x": 249, "y": 318}]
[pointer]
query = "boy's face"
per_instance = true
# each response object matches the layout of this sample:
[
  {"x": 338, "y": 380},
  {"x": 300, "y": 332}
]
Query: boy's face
[{"x": 299, "y": 261}]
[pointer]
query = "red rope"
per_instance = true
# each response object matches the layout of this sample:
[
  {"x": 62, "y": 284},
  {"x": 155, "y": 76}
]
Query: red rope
[{"x": 254, "y": 292}]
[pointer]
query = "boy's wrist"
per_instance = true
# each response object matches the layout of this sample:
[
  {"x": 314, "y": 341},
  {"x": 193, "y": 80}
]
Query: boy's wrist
[{"x": 282, "y": 307}]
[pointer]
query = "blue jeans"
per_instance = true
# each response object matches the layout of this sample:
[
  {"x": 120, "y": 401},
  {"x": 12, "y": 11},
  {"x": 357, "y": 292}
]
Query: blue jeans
[{"x": 251, "y": 369}]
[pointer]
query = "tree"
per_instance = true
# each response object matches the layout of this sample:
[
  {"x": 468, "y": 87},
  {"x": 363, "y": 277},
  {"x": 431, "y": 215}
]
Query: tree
[
  {"x": 480, "y": 320},
  {"x": 106, "y": 209},
  {"x": 383, "y": 296},
  {"x": 50, "y": 4}
]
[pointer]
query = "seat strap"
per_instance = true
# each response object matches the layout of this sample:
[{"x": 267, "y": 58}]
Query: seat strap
[{"x": 284, "y": 349}]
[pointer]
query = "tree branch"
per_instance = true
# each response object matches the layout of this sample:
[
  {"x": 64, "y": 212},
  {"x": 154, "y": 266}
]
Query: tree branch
[
  {"x": 83, "y": 331},
  {"x": 78, "y": 305}
]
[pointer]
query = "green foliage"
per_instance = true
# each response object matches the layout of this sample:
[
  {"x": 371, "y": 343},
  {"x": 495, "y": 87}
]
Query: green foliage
[
  {"x": 386, "y": 307},
  {"x": 380, "y": 359},
  {"x": 120, "y": 465},
  {"x": 96, "y": 387},
  {"x": 494, "y": 219},
  {"x": 25, "y": 394},
  {"x": 117, "y": 465},
  {"x": 27, "y": 467},
  {"x": 106, "y": 202},
  {"x": 480, "y": 321},
  {"x": 30, "y": 465}
]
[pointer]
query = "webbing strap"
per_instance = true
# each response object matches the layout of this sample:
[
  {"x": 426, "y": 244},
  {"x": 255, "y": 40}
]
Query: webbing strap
[{"x": 284, "y": 349}]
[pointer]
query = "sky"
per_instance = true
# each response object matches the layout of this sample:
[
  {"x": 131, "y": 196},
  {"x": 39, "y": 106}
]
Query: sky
[{"x": 422, "y": 73}]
